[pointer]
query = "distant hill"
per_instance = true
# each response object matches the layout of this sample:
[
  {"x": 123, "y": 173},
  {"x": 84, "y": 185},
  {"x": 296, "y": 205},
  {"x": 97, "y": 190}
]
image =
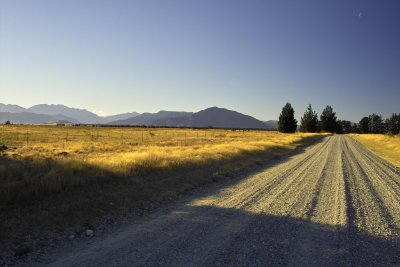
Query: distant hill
[
  {"x": 11, "y": 108},
  {"x": 33, "y": 118},
  {"x": 214, "y": 117},
  {"x": 151, "y": 118},
  {"x": 122, "y": 116},
  {"x": 211, "y": 117},
  {"x": 271, "y": 124},
  {"x": 80, "y": 115}
]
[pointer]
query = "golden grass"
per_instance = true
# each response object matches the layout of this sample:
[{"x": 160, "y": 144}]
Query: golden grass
[
  {"x": 388, "y": 147},
  {"x": 119, "y": 149},
  {"x": 45, "y": 159}
]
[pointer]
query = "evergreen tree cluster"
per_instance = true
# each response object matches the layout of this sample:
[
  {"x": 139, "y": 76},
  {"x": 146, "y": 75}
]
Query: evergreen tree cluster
[
  {"x": 328, "y": 122},
  {"x": 375, "y": 124}
]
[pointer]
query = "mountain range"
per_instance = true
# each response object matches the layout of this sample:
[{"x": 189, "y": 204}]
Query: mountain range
[
  {"x": 210, "y": 117},
  {"x": 33, "y": 118}
]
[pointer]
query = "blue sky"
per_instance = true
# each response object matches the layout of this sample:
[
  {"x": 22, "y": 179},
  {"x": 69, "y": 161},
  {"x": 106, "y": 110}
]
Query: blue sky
[{"x": 250, "y": 56}]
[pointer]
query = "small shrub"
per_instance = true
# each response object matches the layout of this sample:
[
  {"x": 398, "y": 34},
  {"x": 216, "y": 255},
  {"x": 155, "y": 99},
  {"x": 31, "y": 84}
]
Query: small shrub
[{"x": 390, "y": 134}]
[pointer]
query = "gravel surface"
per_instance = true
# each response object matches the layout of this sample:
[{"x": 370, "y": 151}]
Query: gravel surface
[{"x": 335, "y": 204}]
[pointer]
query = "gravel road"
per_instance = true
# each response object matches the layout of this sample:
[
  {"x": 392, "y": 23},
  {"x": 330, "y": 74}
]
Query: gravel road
[{"x": 334, "y": 204}]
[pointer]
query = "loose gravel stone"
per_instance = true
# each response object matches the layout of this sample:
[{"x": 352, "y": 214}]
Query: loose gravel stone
[{"x": 89, "y": 233}]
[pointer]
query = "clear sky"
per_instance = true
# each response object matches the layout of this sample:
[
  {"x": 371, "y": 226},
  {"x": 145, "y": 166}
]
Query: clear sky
[{"x": 247, "y": 55}]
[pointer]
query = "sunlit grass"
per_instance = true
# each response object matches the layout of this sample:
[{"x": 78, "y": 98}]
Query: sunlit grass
[
  {"x": 42, "y": 159},
  {"x": 388, "y": 147},
  {"x": 115, "y": 148}
]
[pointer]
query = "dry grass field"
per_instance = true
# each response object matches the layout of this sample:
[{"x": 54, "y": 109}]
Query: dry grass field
[
  {"x": 55, "y": 177},
  {"x": 45, "y": 159},
  {"x": 388, "y": 147}
]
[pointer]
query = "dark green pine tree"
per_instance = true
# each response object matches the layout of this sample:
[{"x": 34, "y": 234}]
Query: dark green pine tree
[
  {"x": 328, "y": 120},
  {"x": 287, "y": 123},
  {"x": 347, "y": 126},
  {"x": 375, "y": 123},
  {"x": 355, "y": 128},
  {"x": 393, "y": 123},
  {"x": 363, "y": 125},
  {"x": 309, "y": 121}
]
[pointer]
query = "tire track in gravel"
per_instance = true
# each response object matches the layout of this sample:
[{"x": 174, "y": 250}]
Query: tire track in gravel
[
  {"x": 383, "y": 166},
  {"x": 250, "y": 189},
  {"x": 369, "y": 208},
  {"x": 383, "y": 181},
  {"x": 278, "y": 191},
  {"x": 334, "y": 204},
  {"x": 383, "y": 198},
  {"x": 325, "y": 206}
]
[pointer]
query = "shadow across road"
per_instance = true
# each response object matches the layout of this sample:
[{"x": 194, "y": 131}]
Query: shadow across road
[{"x": 211, "y": 236}]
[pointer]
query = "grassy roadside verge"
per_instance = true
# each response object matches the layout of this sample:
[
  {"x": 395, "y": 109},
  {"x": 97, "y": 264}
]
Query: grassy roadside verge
[
  {"x": 38, "y": 218},
  {"x": 387, "y": 147}
]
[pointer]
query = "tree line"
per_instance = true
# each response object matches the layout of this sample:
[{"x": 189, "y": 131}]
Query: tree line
[{"x": 328, "y": 122}]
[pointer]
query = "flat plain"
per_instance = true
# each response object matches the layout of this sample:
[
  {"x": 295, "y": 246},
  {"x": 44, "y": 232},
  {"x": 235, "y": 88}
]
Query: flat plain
[
  {"x": 40, "y": 160},
  {"x": 335, "y": 204},
  {"x": 57, "y": 181}
]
